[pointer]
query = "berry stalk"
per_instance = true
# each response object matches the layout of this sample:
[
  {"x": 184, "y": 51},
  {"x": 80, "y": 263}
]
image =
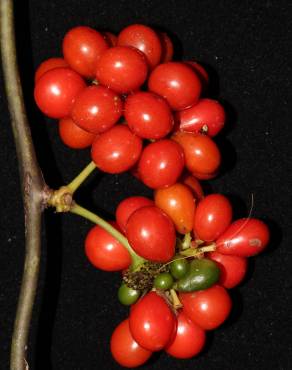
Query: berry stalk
[
  {"x": 78, "y": 210},
  {"x": 79, "y": 179}
]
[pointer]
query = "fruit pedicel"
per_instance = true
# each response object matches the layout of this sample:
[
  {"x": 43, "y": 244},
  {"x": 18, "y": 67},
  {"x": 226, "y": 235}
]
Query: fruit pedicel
[{"x": 180, "y": 252}]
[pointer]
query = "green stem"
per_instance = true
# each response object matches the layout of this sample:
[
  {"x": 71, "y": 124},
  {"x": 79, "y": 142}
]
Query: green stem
[
  {"x": 75, "y": 183},
  {"x": 193, "y": 252},
  {"x": 186, "y": 241},
  {"x": 78, "y": 210}
]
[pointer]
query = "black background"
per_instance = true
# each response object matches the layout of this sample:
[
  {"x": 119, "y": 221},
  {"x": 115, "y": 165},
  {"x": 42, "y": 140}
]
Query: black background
[{"x": 245, "y": 46}]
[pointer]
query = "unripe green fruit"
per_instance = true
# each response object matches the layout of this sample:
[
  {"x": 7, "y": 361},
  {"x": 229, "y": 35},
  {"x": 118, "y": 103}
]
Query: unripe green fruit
[
  {"x": 127, "y": 296},
  {"x": 163, "y": 281},
  {"x": 179, "y": 267},
  {"x": 202, "y": 274}
]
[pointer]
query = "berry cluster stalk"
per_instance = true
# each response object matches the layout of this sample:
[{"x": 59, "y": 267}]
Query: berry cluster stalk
[{"x": 33, "y": 188}]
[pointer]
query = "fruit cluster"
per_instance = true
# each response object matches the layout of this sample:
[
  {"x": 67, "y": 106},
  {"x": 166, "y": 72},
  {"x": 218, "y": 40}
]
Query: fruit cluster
[{"x": 142, "y": 112}]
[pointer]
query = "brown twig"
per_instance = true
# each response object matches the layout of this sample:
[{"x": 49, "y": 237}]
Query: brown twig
[{"x": 32, "y": 188}]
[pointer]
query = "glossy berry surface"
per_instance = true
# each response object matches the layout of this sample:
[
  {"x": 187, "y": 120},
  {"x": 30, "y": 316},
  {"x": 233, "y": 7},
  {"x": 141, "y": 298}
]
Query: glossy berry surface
[
  {"x": 56, "y": 91},
  {"x": 152, "y": 322},
  {"x": 151, "y": 234},
  {"x": 213, "y": 216},
  {"x": 178, "y": 203},
  {"x": 207, "y": 308},
  {"x": 207, "y": 116},
  {"x": 144, "y": 39},
  {"x": 127, "y": 296},
  {"x": 123, "y": 69},
  {"x": 82, "y": 48},
  {"x": 179, "y": 267},
  {"x": 202, "y": 274},
  {"x": 201, "y": 153},
  {"x": 105, "y": 252},
  {"x": 161, "y": 164},
  {"x": 189, "y": 339},
  {"x": 177, "y": 83},
  {"x": 245, "y": 237},
  {"x": 129, "y": 205},
  {"x": 96, "y": 109},
  {"x": 163, "y": 281},
  {"x": 125, "y": 350},
  {"x": 116, "y": 150},
  {"x": 148, "y": 115}
]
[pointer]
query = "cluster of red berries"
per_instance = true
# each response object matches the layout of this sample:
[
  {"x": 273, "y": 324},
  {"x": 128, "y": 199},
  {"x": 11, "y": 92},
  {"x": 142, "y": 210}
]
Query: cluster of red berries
[{"x": 110, "y": 93}]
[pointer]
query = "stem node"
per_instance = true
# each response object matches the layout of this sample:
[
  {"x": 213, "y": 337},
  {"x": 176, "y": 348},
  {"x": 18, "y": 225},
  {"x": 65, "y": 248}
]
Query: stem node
[{"x": 61, "y": 199}]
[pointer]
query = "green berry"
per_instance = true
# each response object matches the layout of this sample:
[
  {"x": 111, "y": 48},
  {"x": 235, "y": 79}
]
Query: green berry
[
  {"x": 163, "y": 281},
  {"x": 127, "y": 296},
  {"x": 179, "y": 267},
  {"x": 202, "y": 274}
]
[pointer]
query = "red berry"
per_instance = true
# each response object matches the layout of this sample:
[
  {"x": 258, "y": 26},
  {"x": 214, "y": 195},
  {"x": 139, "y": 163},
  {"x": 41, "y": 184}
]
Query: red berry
[
  {"x": 177, "y": 83},
  {"x": 201, "y": 153},
  {"x": 151, "y": 234},
  {"x": 178, "y": 203},
  {"x": 122, "y": 68},
  {"x": 116, "y": 150},
  {"x": 128, "y": 206},
  {"x": 213, "y": 216},
  {"x": 105, "y": 252},
  {"x": 49, "y": 64},
  {"x": 207, "y": 116},
  {"x": 207, "y": 308},
  {"x": 232, "y": 268},
  {"x": 82, "y": 48},
  {"x": 143, "y": 38},
  {"x": 125, "y": 350},
  {"x": 56, "y": 91},
  {"x": 152, "y": 322},
  {"x": 74, "y": 136},
  {"x": 245, "y": 237},
  {"x": 148, "y": 115},
  {"x": 189, "y": 339},
  {"x": 161, "y": 164},
  {"x": 96, "y": 109}
]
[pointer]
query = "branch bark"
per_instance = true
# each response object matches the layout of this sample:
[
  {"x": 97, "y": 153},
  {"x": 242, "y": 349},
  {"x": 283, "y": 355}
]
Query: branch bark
[{"x": 33, "y": 188}]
